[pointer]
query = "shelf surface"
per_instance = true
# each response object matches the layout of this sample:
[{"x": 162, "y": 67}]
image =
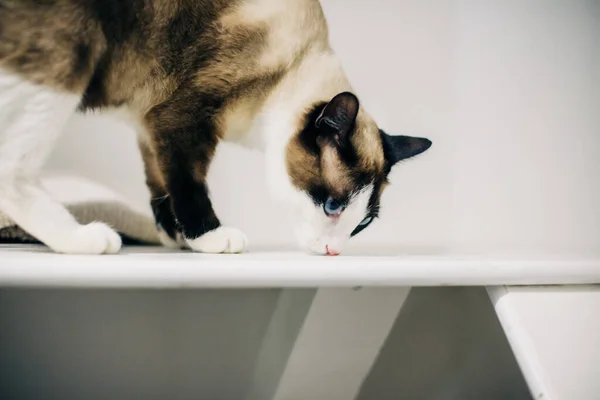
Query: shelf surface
[{"x": 156, "y": 267}]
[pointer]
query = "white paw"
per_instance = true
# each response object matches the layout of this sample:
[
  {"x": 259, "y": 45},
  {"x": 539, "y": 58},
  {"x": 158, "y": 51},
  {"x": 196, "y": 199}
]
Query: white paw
[
  {"x": 167, "y": 241},
  {"x": 220, "y": 240},
  {"x": 94, "y": 238}
]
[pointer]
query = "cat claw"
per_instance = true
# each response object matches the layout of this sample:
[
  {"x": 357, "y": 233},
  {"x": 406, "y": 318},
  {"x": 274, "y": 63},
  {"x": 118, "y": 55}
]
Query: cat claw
[{"x": 220, "y": 240}]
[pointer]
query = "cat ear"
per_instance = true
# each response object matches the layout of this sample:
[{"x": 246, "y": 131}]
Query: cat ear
[
  {"x": 337, "y": 118},
  {"x": 397, "y": 148}
]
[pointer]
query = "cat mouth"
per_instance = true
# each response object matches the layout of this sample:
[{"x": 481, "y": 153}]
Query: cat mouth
[{"x": 331, "y": 252}]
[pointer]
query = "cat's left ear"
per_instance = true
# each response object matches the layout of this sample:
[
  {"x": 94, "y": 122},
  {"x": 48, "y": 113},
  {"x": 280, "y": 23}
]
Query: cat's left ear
[
  {"x": 337, "y": 117},
  {"x": 398, "y": 147}
]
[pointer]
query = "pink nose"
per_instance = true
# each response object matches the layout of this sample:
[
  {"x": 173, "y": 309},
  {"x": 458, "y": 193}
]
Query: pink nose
[{"x": 331, "y": 252}]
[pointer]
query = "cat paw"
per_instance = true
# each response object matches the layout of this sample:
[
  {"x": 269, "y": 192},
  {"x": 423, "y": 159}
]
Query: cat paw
[
  {"x": 94, "y": 238},
  {"x": 220, "y": 240}
]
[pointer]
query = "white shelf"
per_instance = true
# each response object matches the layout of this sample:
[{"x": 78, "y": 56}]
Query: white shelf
[{"x": 155, "y": 267}]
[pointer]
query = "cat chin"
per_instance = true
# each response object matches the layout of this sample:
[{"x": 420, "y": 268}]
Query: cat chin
[
  {"x": 317, "y": 247},
  {"x": 318, "y": 242}
]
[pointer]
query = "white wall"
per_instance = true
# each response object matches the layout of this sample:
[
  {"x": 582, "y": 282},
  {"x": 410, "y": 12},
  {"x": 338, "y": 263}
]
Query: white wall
[
  {"x": 509, "y": 92},
  {"x": 528, "y": 122}
]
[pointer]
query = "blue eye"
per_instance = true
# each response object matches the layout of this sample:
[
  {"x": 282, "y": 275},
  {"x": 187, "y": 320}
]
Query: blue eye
[
  {"x": 366, "y": 221},
  {"x": 333, "y": 207}
]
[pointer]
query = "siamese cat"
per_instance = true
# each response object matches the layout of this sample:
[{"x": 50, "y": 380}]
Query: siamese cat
[{"x": 188, "y": 74}]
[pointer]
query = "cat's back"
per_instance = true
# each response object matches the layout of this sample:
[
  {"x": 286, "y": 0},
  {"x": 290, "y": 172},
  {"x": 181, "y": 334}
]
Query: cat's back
[
  {"x": 51, "y": 42},
  {"x": 61, "y": 43},
  {"x": 136, "y": 51}
]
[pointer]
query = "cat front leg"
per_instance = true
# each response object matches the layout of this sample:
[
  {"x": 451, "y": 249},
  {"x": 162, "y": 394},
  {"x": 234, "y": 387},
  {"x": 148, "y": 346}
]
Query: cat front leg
[
  {"x": 160, "y": 201},
  {"x": 32, "y": 118},
  {"x": 185, "y": 140}
]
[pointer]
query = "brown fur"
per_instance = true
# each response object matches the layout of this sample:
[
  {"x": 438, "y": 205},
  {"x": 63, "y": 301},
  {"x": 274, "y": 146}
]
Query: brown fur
[
  {"x": 188, "y": 71},
  {"x": 313, "y": 165},
  {"x": 175, "y": 65}
]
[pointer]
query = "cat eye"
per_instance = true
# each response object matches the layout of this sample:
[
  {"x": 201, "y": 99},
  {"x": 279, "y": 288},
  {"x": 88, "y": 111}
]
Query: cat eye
[{"x": 333, "y": 207}]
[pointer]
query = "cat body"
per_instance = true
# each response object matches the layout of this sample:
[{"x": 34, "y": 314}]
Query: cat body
[{"x": 188, "y": 74}]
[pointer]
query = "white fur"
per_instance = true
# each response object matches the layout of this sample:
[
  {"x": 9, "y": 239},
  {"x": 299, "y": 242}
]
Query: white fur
[
  {"x": 220, "y": 240},
  {"x": 31, "y": 120},
  {"x": 279, "y": 118}
]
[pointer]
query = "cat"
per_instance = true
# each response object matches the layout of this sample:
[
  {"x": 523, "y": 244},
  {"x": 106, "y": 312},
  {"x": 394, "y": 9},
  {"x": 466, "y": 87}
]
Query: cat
[{"x": 188, "y": 74}]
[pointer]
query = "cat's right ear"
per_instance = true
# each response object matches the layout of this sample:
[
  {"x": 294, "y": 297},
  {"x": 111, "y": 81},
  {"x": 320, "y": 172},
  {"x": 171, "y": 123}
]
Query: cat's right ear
[
  {"x": 399, "y": 147},
  {"x": 336, "y": 121}
]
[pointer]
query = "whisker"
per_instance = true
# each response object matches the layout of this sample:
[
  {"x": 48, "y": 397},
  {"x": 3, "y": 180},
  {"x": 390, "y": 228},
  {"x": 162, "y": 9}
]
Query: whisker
[{"x": 160, "y": 198}]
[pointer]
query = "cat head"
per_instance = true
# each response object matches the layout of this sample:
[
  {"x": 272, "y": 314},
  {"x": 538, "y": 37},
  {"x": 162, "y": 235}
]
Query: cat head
[{"x": 337, "y": 164}]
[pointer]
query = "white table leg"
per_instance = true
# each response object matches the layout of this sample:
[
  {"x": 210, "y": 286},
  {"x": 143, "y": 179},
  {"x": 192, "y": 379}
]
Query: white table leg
[{"x": 338, "y": 342}]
